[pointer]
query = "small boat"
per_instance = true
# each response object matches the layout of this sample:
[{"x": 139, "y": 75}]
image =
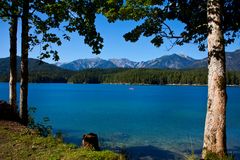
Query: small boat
[{"x": 131, "y": 88}]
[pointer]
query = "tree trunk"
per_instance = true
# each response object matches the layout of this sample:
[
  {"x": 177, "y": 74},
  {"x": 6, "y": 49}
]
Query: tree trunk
[
  {"x": 13, "y": 59},
  {"x": 24, "y": 65},
  {"x": 215, "y": 125}
]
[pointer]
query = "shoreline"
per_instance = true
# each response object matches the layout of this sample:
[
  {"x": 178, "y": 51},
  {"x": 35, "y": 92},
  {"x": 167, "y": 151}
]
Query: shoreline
[
  {"x": 20, "y": 142},
  {"x": 136, "y": 84}
]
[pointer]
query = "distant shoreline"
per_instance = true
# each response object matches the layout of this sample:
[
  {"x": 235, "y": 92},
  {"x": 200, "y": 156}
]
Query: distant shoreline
[{"x": 139, "y": 84}]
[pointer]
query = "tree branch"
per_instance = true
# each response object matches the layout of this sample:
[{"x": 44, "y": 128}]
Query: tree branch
[
  {"x": 170, "y": 32},
  {"x": 9, "y": 15}
]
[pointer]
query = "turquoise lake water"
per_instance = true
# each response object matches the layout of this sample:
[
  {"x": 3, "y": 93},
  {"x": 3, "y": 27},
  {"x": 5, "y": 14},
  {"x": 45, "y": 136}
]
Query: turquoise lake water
[{"x": 146, "y": 120}]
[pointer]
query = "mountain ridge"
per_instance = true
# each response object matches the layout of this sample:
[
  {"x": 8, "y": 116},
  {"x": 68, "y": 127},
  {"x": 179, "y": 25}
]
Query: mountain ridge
[{"x": 173, "y": 61}]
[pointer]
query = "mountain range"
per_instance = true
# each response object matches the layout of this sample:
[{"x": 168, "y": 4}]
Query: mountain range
[{"x": 174, "y": 61}]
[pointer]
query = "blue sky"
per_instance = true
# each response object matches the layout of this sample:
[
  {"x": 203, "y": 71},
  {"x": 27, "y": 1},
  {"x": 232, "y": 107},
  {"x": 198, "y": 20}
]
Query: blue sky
[{"x": 114, "y": 44}]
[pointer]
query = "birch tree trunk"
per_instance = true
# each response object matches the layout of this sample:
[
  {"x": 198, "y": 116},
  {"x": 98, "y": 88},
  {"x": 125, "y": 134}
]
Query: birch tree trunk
[
  {"x": 215, "y": 125},
  {"x": 13, "y": 59},
  {"x": 24, "y": 65}
]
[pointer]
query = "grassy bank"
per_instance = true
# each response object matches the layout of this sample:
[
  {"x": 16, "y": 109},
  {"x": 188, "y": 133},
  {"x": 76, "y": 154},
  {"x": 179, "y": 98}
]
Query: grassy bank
[{"x": 18, "y": 142}]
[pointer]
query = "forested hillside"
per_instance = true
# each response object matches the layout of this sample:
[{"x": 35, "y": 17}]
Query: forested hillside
[
  {"x": 148, "y": 76},
  {"x": 123, "y": 76},
  {"x": 38, "y": 71}
]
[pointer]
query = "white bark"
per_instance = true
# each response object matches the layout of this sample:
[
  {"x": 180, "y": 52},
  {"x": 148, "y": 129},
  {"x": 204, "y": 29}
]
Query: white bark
[{"x": 215, "y": 125}]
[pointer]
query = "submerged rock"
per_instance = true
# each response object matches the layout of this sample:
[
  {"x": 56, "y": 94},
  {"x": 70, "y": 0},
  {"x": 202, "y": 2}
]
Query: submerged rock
[
  {"x": 120, "y": 136},
  {"x": 90, "y": 141}
]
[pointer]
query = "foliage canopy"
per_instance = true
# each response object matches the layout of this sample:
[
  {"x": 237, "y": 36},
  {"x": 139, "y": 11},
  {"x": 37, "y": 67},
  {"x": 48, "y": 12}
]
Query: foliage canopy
[{"x": 155, "y": 20}]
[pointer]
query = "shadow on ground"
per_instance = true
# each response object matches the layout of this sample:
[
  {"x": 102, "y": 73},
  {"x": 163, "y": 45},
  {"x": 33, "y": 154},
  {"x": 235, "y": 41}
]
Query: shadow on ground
[{"x": 151, "y": 153}]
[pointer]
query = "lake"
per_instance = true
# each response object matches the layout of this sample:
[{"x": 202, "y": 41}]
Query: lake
[{"x": 147, "y": 121}]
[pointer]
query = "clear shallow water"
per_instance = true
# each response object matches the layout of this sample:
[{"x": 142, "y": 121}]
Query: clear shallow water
[{"x": 140, "y": 118}]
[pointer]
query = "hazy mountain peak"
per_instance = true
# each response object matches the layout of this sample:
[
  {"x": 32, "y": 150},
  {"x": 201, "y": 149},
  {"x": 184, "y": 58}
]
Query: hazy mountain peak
[
  {"x": 123, "y": 63},
  {"x": 184, "y": 56},
  {"x": 88, "y": 63},
  {"x": 59, "y": 63},
  {"x": 95, "y": 58}
]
